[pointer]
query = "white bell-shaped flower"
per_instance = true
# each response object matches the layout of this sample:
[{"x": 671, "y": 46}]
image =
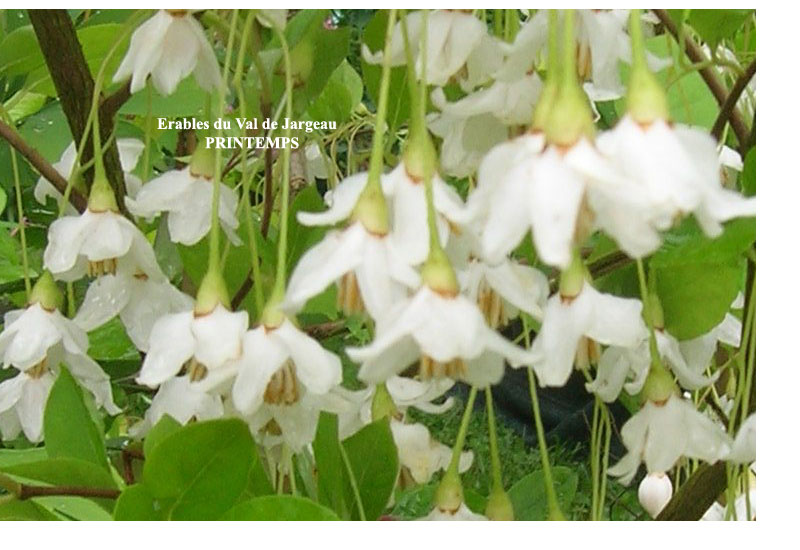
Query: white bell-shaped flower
[
  {"x": 603, "y": 318},
  {"x": 421, "y": 455},
  {"x": 448, "y": 334},
  {"x": 169, "y": 47},
  {"x": 184, "y": 400},
  {"x": 98, "y": 243},
  {"x": 743, "y": 450},
  {"x": 452, "y": 38},
  {"x": 279, "y": 364},
  {"x": 660, "y": 433},
  {"x": 37, "y": 341},
  {"x": 673, "y": 171},
  {"x": 186, "y": 198},
  {"x": 138, "y": 299},
  {"x": 130, "y": 149},
  {"x": 200, "y": 343}
]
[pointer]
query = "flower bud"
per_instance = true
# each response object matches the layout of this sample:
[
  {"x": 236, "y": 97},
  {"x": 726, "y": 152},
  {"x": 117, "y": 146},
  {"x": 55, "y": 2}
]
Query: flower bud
[
  {"x": 655, "y": 491},
  {"x": 499, "y": 507}
]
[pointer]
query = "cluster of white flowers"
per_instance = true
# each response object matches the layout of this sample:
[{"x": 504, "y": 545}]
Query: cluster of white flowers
[{"x": 436, "y": 309}]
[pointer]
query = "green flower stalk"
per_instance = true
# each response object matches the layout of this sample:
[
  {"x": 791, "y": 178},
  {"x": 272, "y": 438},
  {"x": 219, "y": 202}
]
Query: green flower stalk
[{"x": 647, "y": 101}]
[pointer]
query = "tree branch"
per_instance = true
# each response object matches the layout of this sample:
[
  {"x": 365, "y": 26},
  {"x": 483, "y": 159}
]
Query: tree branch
[
  {"x": 695, "y": 496},
  {"x": 695, "y": 53},
  {"x": 64, "y": 57},
  {"x": 40, "y": 163},
  {"x": 30, "y": 491},
  {"x": 730, "y": 103}
]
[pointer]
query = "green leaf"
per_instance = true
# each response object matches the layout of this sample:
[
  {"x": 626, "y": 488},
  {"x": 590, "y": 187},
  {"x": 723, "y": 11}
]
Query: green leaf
[
  {"x": 165, "y": 427},
  {"x": 717, "y": 25},
  {"x": 47, "y": 131},
  {"x": 3, "y": 199},
  {"x": 279, "y": 508},
  {"x": 258, "y": 483},
  {"x": 300, "y": 237},
  {"x": 373, "y": 458},
  {"x": 688, "y": 244},
  {"x": 749, "y": 173},
  {"x": 25, "y": 510},
  {"x": 69, "y": 428},
  {"x": 398, "y": 106},
  {"x": 137, "y": 504},
  {"x": 342, "y": 94},
  {"x": 529, "y": 498},
  {"x": 12, "y": 457},
  {"x": 188, "y": 100},
  {"x": 696, "y": 296},
  {"x": 24, "y": 104},
  {"x": 201, "y": 470},
  {"x": 331, "y": 475}
]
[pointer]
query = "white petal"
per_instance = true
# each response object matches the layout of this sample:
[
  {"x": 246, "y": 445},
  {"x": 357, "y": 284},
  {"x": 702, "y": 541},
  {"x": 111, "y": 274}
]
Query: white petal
[
  {"x": 218, "y": 336},
  {"x": 318, "y": 369},
  {"x": 263, "y": 354},
  {"x": 171, "y": 345}
]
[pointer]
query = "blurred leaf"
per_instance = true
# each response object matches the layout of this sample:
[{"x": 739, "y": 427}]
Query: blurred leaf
[
  {"x": 70, "y": 431},
  {"x": 373, "y": 457},
  {"x": 279, "y": 508},
  {"x": 111, "y": 341},
  {"x": 717, "y": 25},
  {"x": 688, "y": 244},
  {"x": 165, "y": 427},
  {"x": 3, "y": 200},
  {"x": 24, "y": 104},
  {"x": 529, "y": 498},
  {"x": 398, "y": 104},
  {"x": 696, "y": 296},
  {"x": 137, "y": 504},
  {"x": 342, "y": 94},
  {"x": 47, "y": 131},
  {"x": 188, "y": 100},
  {"x": 300, "y": 237},
  {"x": 331, "y": 474},
  {"x": 201, "y": 470},
  {"x": 25, "y": 510},
  {"x": 12, "y": 457}
]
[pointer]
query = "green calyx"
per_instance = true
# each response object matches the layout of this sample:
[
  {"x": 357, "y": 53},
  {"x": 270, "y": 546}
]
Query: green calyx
[
  {"x": 382, "y": 403},
  {"x": 573, "y": 277},
  {"x": 101, "y": 197},
  {"x": 212, "y": 292},
  {"x": 646, "y": 100},
  {"x": 371, "y": 209},
  {"x": 419, "y": 157},
  {"x": 544, "y": 105},
  {"x": 272, "y": 316},
  {"x": 449, "y": 494},
  {"x": 202, "y": 163},
  {"x": 438, "y": 274},
  {"x": 46, "y": 293},
  {"x": 498, "y": 506},
  {"x": 570, "y": 117},
  {"x": 659, "y": 385}
]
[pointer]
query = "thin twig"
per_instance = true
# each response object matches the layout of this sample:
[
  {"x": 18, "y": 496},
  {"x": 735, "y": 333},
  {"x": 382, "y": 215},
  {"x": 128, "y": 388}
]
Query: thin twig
[
  {"x": 696, "y": 55},
  {"x": 30, "y": 491},
  {"x": 40, "y": 163},
  {"x": 730, "y": 102}
]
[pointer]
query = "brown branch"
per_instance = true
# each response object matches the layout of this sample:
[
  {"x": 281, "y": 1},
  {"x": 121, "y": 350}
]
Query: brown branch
[
  {"x": 31, "y": 491},
  {"x": 695, "y": 53},
  {"x": 112, "y": 103},
  {"x": 730, "y": 102},
  {"x": 695, "y": 496},
  {"x": 74, "y": 84},
  {"x": 40, "y": 163}
]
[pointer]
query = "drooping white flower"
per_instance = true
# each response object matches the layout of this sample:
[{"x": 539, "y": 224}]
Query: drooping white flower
[
  {"x": 452, "y": 38},
  {"x": 129, "y": 151},
  {"x": 97, "y": 243},
  {"x": 203, "y": 342},
  {"x": 138, "y": 299},
  {"x": 524, "y": 185},
  {"x": 602, "y": 43},
  {"x": 603, "y": 318},
  {"x": 186, "y": 198},
  {"x": 660, "y": 433},
  {"x": 448, "y": 334},
  {"x": 673, "y": 170},
  {"x": 371, "y": 272},
  {"x": 743, "y": 450},
  {"x": 279, "y": 364},
  {"x": 655, "y": 492},
  {"x": 37, "y": 341},
  {"x": 183, "y": 400},
  {"x": 169, "y": 47},
  {"x": 420, "y": 454},
  {"x": 471, "y": 126}
]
